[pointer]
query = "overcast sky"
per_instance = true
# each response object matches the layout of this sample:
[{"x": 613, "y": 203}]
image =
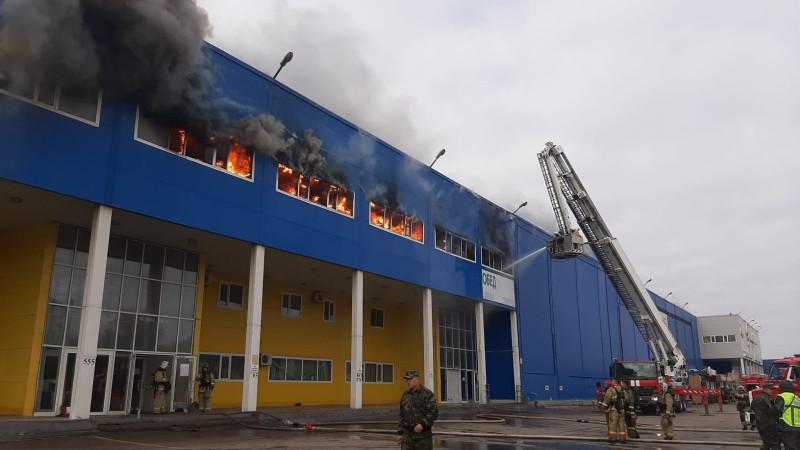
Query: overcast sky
[{"x": 680, "y": 117}]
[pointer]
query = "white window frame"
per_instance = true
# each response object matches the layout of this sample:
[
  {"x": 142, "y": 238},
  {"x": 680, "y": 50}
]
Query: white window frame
[
  {"x": 202, "y": 163},
  {"x": 227, "y": 360},
  {"x": 449, "y": 251},
  {"x": 57, "y": 98},
  {"x": 496, "y": 253},
  {"x": 329, "y": 310},
  {"x": 382, "y": 316},
  {"x": 378, "y": 372},
  {"x": 226, "y": 303},
  {"x": 287, "y": 358},
  {"x": 286, "y": 310},
  {"x": 386, "y": 211},
  {"x": 306, "y": 199}
]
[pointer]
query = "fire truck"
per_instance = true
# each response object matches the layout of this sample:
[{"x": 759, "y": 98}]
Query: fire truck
[
  {"x": 567, "y": 192},
  {"x": 786, "y": 369}
]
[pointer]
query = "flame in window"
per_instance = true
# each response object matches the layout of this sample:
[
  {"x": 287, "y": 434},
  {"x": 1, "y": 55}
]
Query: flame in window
[
  {"x": 395, "y": 221},
  {"x": 315, "y": 190},
  {"x": 240, "y": 160}
]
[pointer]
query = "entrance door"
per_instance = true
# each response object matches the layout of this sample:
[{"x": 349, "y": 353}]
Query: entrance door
[
  {"x": 119, "y": 386},
  {"x": 100, "y": 382},
  {"x": 183, "y": 382},
  {"x": 453, "y": 385},
  {"x": 144, "y": 366}
]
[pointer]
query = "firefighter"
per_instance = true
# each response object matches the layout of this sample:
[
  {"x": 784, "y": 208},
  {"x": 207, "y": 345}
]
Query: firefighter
[
  {"x": 614, "y": 406},
  {"x": 767, "y": 418},
  {"x": 788, "y": 406},
  {"x": 742, "y": 403},
  {"x": 666, "y": 401},
  {"x": 161, "y": 386},
  {"x": 632, "y": 403},
  {"x": 207, "y": 382}
]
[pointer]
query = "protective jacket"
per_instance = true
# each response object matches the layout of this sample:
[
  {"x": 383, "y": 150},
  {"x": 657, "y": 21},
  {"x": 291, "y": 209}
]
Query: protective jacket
[
  {"x": 613, "y": 398},
  {"x": 417, "y": 406},
  {"x": 788, "y": 405},
  {"x": 206, "y": 380},
  {"x": 742, "y": 401}
]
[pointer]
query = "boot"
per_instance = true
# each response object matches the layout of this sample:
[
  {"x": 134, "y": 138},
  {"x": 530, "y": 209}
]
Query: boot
[
  {"x": 752, "y": 427},
  {"x": 744, "y": 426}
]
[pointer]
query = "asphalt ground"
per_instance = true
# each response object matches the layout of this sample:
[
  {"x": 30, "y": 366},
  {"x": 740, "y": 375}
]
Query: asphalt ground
[{"x": 488, "y": 427}]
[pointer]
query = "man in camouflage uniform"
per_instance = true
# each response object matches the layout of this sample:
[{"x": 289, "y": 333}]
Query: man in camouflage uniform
[
  {"x": 418, "y": 411},
  {"x": 614, "y": 406},
  {"x": 767, "y": 418},
  {"x": 666, "y": 406},
  {"x": 631, "y": 403},
  {"x": 742, "y": 403}
]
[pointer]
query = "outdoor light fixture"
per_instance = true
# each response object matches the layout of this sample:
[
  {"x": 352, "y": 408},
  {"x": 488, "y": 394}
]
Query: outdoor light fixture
[
  {"x": 665, "y": 297},
  {"x": 438, "y": 155},
  {"x": 649, "y": 280},
  {"x": 286, "y": 59},
  {"x": 684, "y": 305},
  {"x": 511, "y": 217}
]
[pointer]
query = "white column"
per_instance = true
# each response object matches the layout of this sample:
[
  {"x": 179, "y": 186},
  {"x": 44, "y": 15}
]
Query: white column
[
  {"x": 90, "y": 317},
  {"x": 255, "y": 293},
  {"x": 357, "y": 341},
  {"x": 515, "y": 355},
  {"x": 481, "y": 343},
  {"x": 427, "y": 337}
]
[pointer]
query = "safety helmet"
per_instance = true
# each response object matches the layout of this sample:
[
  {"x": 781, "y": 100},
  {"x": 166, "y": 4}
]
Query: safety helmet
[
  {"x": 164, "y": 364},
  {"x": 741, "y": 388},
  {"x": 204, "y": 366}
]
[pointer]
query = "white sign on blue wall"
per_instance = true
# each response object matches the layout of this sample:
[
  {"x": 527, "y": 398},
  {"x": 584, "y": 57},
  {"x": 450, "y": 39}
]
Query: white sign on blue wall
[{"x": 497, "y": 288}]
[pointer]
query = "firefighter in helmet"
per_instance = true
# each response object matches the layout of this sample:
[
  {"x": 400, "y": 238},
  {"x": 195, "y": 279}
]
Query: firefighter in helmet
[
  {"x": 631, "y": 403},
  {"x": 207, "y": 382},
  {"x": 614, "y": 406},
  {"x": 666, "y": 407},
  {"x": 742, "y": 404},
  {"x": 161, "y": 386}
]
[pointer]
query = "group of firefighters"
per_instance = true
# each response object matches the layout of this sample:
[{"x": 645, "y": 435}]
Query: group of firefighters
[{"x": 778, "y": 419}]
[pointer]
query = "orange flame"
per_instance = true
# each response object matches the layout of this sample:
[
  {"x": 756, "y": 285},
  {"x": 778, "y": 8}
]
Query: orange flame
[{"x": 239, "y": 160}]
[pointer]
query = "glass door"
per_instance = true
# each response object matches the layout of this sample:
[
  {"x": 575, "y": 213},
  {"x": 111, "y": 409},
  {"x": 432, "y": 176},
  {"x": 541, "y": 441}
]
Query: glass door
[
  {"x": 47, "y": 383},
  {"x": 118, "y": 392},
  {"x": 100, "y": 382},
  {"x": 183, "y": 384}
]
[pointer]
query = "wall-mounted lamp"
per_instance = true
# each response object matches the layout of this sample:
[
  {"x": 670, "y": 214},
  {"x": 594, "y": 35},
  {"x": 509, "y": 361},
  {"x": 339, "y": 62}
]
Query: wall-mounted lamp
[
  {"x": 665, "y": 297},
  {"x": 438, "y": 155},
  {"x": 684, "y": 305},
  {"x": 285, "y": 60},
  {"x": 649, "y": 280}
]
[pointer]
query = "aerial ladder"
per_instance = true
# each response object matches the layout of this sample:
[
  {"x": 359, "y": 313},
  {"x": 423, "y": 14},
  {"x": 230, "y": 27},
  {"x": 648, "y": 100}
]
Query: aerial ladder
[{"x": 567, "y": 191}]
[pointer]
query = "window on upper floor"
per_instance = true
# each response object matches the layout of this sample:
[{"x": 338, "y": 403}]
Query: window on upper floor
[
  {"x": 455, "y": 244},
  {"x": 78, "y": 102},
  {"x": 315, "y": 191},
  {"x": 230, "y": 157},
  {"x": 396, "y": 222},
  {"x": 718, "y": 339},
  {"x": 231, "y": 295},
  {"x": 291, "y": 305},
  {"x": 496, "y": 260},
  {"x": 376, "y": 318},
  {"x": 329, "y": 311}
]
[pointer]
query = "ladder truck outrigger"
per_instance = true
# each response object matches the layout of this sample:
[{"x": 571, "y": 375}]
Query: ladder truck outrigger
[{"x": 567, "y": 191}]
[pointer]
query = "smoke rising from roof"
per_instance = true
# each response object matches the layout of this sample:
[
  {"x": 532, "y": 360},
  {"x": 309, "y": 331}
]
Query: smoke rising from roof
[{"x": 146, "y": 51}]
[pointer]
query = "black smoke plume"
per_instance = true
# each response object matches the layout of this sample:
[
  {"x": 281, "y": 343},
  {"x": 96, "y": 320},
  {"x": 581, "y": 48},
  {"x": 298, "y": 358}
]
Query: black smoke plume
[{"x": 150, "y": 52}]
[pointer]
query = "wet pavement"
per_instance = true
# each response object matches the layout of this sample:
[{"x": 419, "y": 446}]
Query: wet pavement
[{"x": 491, "y": 427}]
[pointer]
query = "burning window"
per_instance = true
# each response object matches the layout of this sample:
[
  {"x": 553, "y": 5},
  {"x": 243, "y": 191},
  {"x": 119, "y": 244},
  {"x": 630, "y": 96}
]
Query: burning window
[
  {"x": 455, "y": 244},
  {"x": 315, "y": 190},
  {"x": 229, "y": 156},
  {"x": 496, "y": 260},
  {"x": 396, "y": 222}
]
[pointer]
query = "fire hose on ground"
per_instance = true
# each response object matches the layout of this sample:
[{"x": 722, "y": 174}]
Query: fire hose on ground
[{"x": 335, "y": 427}]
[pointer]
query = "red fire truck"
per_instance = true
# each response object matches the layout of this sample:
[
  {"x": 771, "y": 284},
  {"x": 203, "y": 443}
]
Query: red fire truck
[
  {"x": 567, "y": 192},
  {"x": 786, "y": 369}
]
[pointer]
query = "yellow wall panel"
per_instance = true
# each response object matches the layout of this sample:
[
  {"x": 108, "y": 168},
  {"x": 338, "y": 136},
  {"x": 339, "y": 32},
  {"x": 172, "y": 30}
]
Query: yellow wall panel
[{"x": 25, "y": 270}]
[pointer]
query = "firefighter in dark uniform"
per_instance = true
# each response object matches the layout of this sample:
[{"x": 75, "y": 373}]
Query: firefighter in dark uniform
[
  {"x": 207, "y": 383},
  {"x": 666, "y": 406},
  {"x": 632, "y": 403},
  {"x": 767, "y": 418},
  {"x": 788, "y": 406},
  {"x": 418, "y": 411},
  {"x": 742, "y": 403},
  {"x": 614, "y": 406}
]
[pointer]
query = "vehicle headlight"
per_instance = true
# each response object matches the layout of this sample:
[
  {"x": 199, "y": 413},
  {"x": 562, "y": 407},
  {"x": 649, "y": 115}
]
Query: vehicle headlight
[{"x": 655, "y": 399}]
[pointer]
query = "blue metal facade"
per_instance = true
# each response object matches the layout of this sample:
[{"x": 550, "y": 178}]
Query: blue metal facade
[{"x": 571, "y": 323}]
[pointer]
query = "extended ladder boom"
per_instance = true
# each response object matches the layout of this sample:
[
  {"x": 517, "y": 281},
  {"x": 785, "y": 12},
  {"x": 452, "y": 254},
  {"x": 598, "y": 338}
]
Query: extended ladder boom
[{"x": 558, "y": 171}]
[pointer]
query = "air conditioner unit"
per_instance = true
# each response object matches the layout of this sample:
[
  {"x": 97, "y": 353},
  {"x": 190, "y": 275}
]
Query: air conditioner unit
[
  {"x": 318, "y": 297},
  {"x": 265, "y": 360}
]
